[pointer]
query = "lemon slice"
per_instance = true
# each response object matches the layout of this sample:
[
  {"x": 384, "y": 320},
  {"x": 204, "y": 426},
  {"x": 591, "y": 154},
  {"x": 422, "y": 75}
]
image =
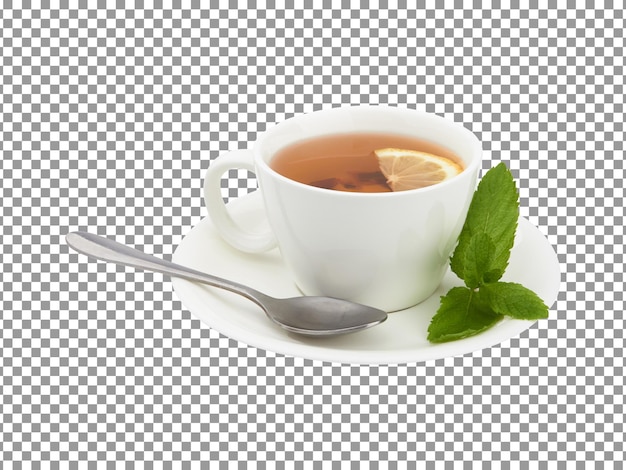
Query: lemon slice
[{"x": 412, "y": 169}]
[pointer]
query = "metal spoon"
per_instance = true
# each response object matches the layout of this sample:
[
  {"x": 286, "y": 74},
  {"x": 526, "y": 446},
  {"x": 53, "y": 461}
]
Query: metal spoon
[{"x": 312, "y": 316}]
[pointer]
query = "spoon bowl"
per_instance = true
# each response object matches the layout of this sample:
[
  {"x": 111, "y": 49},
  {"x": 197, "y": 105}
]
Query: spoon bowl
[{"x": 308, "y": 315}]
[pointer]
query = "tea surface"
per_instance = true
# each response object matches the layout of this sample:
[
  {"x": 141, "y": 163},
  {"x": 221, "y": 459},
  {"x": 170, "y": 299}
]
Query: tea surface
[{"x": 346, "y": 162}]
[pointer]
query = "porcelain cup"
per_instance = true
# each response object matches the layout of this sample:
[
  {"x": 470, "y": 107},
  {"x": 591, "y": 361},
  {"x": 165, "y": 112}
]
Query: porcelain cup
[{"x": 387, "y": 250}]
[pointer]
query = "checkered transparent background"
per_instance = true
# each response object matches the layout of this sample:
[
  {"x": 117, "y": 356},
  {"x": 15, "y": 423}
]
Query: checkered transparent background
[{"x": 111, "y": 112}]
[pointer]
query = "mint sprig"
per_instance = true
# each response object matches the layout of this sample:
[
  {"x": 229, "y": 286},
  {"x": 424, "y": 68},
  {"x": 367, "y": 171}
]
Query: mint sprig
[{"x": 480, "y": 260}]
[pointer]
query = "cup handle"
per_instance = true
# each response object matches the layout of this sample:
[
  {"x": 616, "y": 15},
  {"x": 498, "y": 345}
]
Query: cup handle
[{"x": 224, "y": 223}]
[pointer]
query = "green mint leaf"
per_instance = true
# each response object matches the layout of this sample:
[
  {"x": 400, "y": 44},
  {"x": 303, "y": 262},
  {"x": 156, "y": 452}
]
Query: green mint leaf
[
  {"x": 460, "y": 315},
  {"x": 479, "y": 259},
  {"x": 494, "y": 211},
  {"x": 514, "y": 300}
]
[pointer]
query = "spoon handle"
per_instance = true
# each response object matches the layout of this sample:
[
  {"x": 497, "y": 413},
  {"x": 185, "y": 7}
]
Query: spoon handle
[{"x": 109, "y": 250}]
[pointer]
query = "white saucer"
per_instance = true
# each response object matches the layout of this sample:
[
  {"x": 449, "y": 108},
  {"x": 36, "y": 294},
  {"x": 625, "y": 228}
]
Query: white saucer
[{"x": 401, "y": 339}]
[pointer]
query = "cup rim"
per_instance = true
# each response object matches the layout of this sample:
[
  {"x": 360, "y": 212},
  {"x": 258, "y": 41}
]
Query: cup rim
[{"x": 468, "y": 172}]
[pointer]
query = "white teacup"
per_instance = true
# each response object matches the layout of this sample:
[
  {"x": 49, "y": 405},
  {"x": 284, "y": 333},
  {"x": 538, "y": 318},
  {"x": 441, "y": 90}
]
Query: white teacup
[{"x": 386, "y": 250}]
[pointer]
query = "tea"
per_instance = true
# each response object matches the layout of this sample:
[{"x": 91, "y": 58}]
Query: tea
[{"x": 347, "y": 162}]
